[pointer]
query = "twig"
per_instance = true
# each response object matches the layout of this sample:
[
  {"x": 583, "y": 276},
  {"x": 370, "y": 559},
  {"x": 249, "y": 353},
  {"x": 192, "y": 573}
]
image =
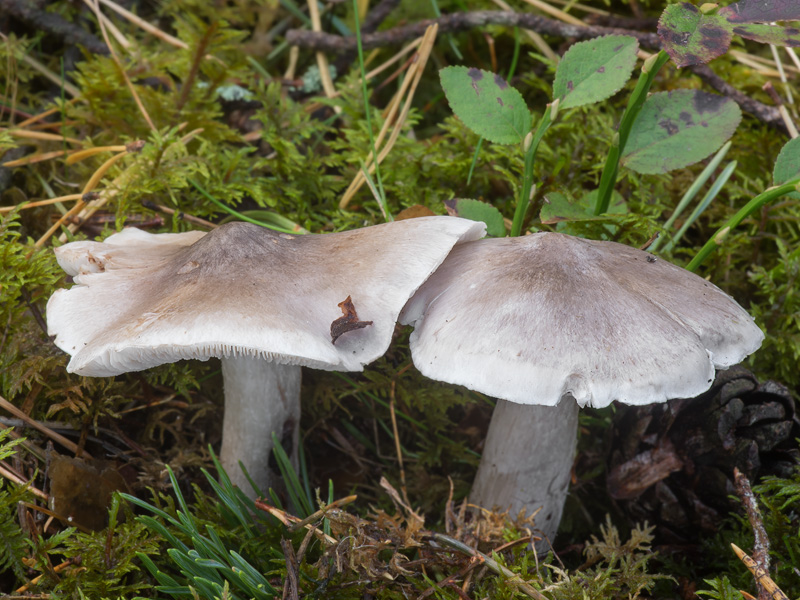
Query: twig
[
  {"x": 30, "y": 12},
  {"x": 291, "y": 590},
  {"x": 542, "y": 25},
  {"x": 761, "y": 543},
  {"x": 179, "y": 214},
  {"x": 768, "y": 114},
  {"x": 512, "y": 577},
  {"x": 459, "y": 22}
]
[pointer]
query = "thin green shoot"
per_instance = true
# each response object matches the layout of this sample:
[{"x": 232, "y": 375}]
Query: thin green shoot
[
  {"x": 302, "y": 503},
  {"x": 474, "y": 159},
  {"x": 277, "y": 51},
  {"x": 292, "y": 8},
  {"x": 269, "y": 217},
  {"x": 326, "y": 524},
  {"x": 515, "y": 56},
  {"x": 707, "y": 199},
  {"x": 259, "y": 68},
  {"x": 716, "y": 240},
  {"x": 399, "y": 413},
  {"x": 527, "y": 189},
  {"x": 64, "y": 146},
  {"x": 609, "y": 176},
  {"x": 693, "y": 190},
  {"x": 450, "y": 40},
  {"x": 390, "y": 433},
  {"x": 235, "y": 213},
  {"x": 301, "y": 459},
  {"x": 378, "y": 195},
  {"x": 382, "y": 195}
]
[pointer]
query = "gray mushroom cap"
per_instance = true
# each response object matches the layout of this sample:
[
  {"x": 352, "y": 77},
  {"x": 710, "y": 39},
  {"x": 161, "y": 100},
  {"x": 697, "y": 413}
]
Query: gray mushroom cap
[
  {"x": 536, "y": 318},
  {"x": 241, "y": 290}
]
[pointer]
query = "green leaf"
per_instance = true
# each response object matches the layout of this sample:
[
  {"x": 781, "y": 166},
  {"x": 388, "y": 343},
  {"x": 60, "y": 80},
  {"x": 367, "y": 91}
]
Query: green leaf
[
  {"x": 475, "y": 210},
  {"x": 759, "y": 11},
  {"x": 676, "y": 129},
  {"x": 594, "y": 70},
  {"x": 486, "y": 104},
  {"x": 769, "y": 34},
  {"x": 787, "y": 165},
  {"x": 691, "y": 37}
]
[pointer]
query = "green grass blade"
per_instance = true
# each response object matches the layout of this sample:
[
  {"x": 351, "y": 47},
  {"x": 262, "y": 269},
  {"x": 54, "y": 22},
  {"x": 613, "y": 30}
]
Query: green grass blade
[{"x": 707, "y": 199}]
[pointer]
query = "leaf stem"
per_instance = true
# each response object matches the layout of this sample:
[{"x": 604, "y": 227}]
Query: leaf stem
[
  {"x": 650, "y": 68},
  {"x": 756, "y": 203}
]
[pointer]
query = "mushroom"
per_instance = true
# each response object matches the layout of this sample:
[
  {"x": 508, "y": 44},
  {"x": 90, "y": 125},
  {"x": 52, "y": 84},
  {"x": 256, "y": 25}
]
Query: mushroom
[
  {"x": 562, "y": 322},
  {"x": 266, "y": 303}
]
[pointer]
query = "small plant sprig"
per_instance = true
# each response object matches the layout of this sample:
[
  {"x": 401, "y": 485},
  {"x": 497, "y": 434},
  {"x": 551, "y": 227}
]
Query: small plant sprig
[{"x": 657, "y": 134}]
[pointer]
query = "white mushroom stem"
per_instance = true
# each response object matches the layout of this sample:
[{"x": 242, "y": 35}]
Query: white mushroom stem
[
  {"x": 261, "y": 397},
  {"x": 527, "y": 461}
]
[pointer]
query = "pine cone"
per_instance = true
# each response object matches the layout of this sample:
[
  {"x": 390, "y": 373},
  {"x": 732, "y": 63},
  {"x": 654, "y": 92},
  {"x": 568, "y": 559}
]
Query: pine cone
[{"x": 672, "y": 464}]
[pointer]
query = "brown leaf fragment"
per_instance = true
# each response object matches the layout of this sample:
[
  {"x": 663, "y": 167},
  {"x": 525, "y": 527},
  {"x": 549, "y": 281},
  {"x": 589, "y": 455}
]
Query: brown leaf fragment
[
  {"x": 633, "y": 477},
  {"x": 347, "y": 322}
]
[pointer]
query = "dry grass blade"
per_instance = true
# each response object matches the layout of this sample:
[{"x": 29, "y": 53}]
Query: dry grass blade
[
  {"x": 749, "y": 61},
  {"x": 57, "y": 569},
  {"x": 95, "y": 4},
  {"x": 322, "y": 60},
  {"x": 43, "y": 115},
  {"x": 82, "y": 154},
  {"x": 782, "y": 72},
  {"x": 142, "y": 24},
  {"x": 410, "y": 85},
  {"x": 537, "y": 39},
  {"x": 71, "y": 446},
  {"x": 555, "y": 12},
  {"x": 13, "y": 477},
  {"x": 87, "y": 210},
  {"x": 322, "y": 512},
  {"x": 311, "y": 107},
  {"x": 760, "y": 575},
  {"x": 760, "y": 60},
  {"x": 37, "y": 203},
  {"x": 95, "y": 179},
  {"x": 288, "y": 520},
  {"x": 37, "y": 157},
  {"x": 582, "y": 7},
  {"x": 41, "y": 135},
  {"x": 47, "y": 73}
]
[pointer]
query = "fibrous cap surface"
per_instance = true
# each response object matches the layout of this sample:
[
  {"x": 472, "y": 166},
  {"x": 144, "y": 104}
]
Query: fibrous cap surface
[
  {"x": 241, "y": 290},
  {"x": 536, "y": 318}
]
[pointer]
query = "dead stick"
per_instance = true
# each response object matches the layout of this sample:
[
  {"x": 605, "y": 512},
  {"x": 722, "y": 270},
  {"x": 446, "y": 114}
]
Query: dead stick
[
  {"x": 761, "y": 544},
  {"x": 542, "y": 25}
]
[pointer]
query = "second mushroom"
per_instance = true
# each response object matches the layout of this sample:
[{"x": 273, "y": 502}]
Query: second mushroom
[{"x": 562, "y": 322}]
